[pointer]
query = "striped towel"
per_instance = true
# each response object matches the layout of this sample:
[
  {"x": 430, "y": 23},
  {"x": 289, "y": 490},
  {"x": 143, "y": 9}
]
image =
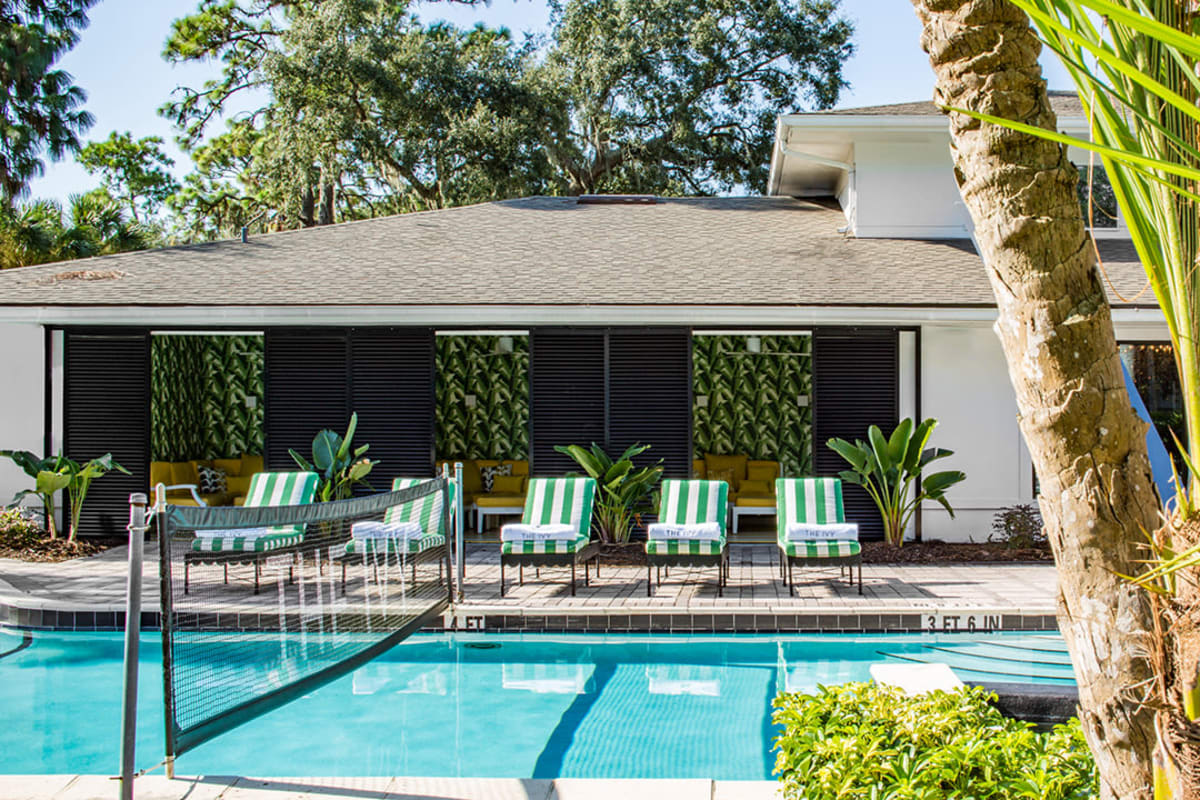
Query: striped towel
[
  {"x": 694, "y": 530},
  {"x": 520, "y": 532},
  {"x": 372, "y": 529},
  {"x": 811, "y": 531},
  {"x": 237, "y": 533}
]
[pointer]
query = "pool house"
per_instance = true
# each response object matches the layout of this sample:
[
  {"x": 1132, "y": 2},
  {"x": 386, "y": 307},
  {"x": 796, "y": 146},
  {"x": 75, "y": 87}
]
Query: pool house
[{"x": 749, "y": 327}]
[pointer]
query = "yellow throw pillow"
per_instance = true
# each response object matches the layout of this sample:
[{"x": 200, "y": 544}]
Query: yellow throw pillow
[
  {"x": 251, "y": 465},
  {"x": 754, "y": 487},
  {"x": 518, "y": 467},
  {"x": 736, "y": 465},
  {"x": 699, "y": 472},
  {"x": 230, "y": 466},
  {"x": 238, "y": 485},
  {"x": 508, "y": 484},
  {"x": 721, "y": 475},
  {"x": 762, "y": 472}
]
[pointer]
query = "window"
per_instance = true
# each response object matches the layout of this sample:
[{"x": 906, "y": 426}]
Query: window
[
  {"x": 1103, "y": 207},
  {"x": 1152, "y": 365}
]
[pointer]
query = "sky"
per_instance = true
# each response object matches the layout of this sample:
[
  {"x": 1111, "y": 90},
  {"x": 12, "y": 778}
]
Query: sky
[{"x": 119, "y": 63}]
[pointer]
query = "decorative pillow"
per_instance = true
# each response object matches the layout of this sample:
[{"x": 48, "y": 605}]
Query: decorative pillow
[
  {"x": 698, "y": 471},
  {"x": 508, "y": 484},
  {"x": 736, "y": 463},
  {"x": 488, "y": 474},
  {"x": 754, "y": 487},
  {"x": 721, "y": 475},
  {"x": 212, "y": 480},
  {"x": 762, "y": 472}
]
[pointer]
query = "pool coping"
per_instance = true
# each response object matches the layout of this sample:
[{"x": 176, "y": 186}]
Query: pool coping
[
  {"x": 220, "y": 787},
  {"x": 51, "y": 616}
]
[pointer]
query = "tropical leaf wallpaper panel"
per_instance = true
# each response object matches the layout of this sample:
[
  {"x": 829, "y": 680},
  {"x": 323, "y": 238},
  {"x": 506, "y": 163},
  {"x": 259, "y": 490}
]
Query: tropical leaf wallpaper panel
[
  {"x": 746, "y": 402},
  {"x": 199, "y": 388},
  {"x": 497, "y": 426}
]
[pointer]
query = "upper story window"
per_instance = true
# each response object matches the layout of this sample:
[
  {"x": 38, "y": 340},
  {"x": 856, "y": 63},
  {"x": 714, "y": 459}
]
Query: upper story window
[{"x": 1103, "y": 205}]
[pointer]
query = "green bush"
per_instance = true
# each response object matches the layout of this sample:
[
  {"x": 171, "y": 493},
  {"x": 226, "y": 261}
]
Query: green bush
[
  {"x": 861, "y": 740},
  {"x": 18, "y": 529}
]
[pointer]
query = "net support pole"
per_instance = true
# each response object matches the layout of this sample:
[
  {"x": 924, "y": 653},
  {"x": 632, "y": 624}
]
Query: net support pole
[
  {"x": 133, "y": 625},
  {"x": 459, "y": 566}
]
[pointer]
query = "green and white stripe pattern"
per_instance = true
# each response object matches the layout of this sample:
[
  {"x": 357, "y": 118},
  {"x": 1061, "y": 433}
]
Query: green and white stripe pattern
[
  {"x": 266, "y": 489},
  {"x": 813, "y": 501},
  {"x": 545, "y": 546},
  {"x": 566, "y": 501},
  {"x": 691, "y": 547},
  {"x": 822, "y": 548},
  {"x": 691, "y": 503},
  {"x": 425, "y": 511}
]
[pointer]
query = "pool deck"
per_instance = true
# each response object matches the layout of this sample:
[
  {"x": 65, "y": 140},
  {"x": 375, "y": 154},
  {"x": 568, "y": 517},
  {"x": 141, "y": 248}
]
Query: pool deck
[
  {"x": 156, "y": 787},
  {"x": 88, "y": 594}
]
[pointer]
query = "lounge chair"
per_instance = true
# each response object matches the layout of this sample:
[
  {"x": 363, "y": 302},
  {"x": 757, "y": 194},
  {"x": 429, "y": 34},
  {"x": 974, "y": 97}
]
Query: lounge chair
[
  {"x": 414, "y": 531},
  {"x": 820, "y": 536},
  {"x": 690, "y": 531},
  {"x": 555, "y": 529},
  {"x": 245, "y": 545}
]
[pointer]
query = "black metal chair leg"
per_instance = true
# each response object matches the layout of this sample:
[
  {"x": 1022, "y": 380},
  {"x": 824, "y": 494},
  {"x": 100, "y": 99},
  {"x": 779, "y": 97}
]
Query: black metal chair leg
[
  {"x": 257, "y": 569},
  {"x": 572, "y": 579},
  {"x": 226, "y": 574},
  {"x": 502, "y": 578},
  {"x": 649, "y": 580},
  {"x": 791, "y": 582},
  {"x": 186, "y": 569},
  {"x": 520, "y": 574},
  {"x": 860, "y": 577},
  {"x": 343, "y": 577},
  {"x": 586, "y": 582}
]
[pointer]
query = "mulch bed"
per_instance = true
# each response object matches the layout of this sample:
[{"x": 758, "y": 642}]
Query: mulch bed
[
  {"x": 947, "y": 553},
  {"x": 54, "y": 550},
  {"x": 633, "y": 555}
]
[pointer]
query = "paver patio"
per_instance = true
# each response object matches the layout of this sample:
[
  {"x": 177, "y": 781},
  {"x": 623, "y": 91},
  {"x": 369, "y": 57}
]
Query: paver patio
[{"x": 945, "y": 595}]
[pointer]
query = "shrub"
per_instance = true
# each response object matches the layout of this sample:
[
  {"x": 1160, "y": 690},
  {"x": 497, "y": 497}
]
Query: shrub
[
  {"x": 1018, "y": 528},
  {"x": 19, "y": 529},
  {"x": 862, "y": 740}
]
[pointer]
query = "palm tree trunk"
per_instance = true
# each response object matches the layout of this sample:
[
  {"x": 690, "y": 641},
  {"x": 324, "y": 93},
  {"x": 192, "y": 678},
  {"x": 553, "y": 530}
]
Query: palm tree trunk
[{"x": 1055, "y": 326}]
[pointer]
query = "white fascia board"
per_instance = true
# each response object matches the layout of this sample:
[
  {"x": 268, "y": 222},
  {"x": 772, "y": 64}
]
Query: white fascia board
[
  {"x": 913, "y": 122},
  {"x": 511, "y": 317}
]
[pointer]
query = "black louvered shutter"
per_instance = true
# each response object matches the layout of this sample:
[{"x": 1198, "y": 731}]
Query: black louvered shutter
[
  {"x": 106, "y": 409},
  {"x": 392, "y": 376},
  {"x": 307, "y": 382},
  {"x": 855, "y": 385},
  {"x": 566, "y": 394},
  {"x": 650, "y": 395}
]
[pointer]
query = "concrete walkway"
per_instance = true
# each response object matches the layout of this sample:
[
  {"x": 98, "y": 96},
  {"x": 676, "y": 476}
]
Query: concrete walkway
[{"x": 156, "y": 787}]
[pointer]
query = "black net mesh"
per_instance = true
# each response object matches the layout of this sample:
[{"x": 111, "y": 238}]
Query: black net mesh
[{"x": 263, "y": 604}]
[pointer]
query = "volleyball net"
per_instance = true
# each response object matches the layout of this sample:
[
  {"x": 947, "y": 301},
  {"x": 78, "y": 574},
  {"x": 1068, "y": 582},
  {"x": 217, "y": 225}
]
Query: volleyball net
[{"x": 261, "y": 605}]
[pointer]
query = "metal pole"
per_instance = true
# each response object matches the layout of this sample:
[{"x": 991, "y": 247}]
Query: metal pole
[
  {"x": 458, "y": 528},
  {"x": 166, "y": 608},
  {"x": 133, "y": 625}
]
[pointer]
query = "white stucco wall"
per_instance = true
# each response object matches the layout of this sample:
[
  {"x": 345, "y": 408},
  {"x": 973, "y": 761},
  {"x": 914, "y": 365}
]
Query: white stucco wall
[
  {"x": 906, "y": 189},
  {"x": 22, "y": 363},
  {"x": 965, "y": 386}
]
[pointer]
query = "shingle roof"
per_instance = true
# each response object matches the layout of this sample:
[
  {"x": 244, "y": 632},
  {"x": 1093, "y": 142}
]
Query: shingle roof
[
  {"x": 1065, "y": 104},
  {"x": 774, "y": 251}
]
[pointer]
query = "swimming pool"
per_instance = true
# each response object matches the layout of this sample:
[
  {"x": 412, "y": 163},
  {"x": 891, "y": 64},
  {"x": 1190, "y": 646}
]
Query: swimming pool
[{"x": 485, "y": 705}]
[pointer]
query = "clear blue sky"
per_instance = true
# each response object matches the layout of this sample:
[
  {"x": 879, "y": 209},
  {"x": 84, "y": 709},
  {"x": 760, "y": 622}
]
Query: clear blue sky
[{"x": 119, "y": 63}]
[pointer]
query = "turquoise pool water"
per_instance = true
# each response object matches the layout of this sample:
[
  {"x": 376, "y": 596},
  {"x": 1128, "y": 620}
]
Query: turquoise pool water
[{"x": 535, "y": 705}]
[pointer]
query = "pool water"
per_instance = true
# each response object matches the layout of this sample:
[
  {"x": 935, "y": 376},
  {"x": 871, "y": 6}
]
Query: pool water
[{"x": 474, "y": 705}]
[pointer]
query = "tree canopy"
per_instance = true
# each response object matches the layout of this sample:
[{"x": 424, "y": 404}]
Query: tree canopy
[
  {"x": 368, "y": 110},
  {"x": 328, "y": 110},
  {"x": 40, "y": 108}
]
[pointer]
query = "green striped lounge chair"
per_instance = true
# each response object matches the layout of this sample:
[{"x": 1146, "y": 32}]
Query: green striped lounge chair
[
  {"x": 812, "y": 530},
  {"x": 412, "y": 532},
  {"x": 244, "y": 545},
  {"x": 690, "y": 530},
  {"x": 555, "y": 529}
]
